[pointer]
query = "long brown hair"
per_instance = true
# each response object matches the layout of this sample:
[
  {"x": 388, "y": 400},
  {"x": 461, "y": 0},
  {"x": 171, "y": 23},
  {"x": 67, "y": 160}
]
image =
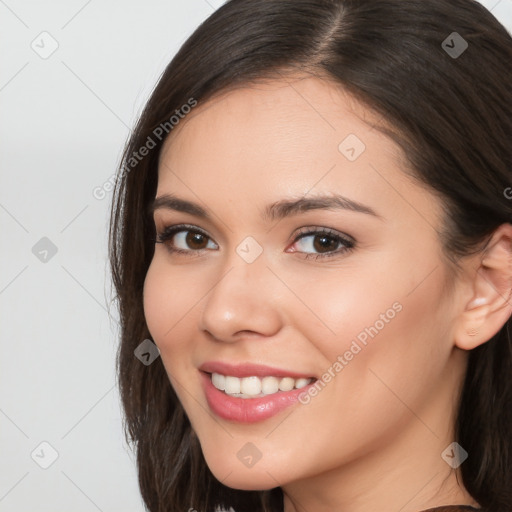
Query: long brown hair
[{"x": 450, "y": 106}]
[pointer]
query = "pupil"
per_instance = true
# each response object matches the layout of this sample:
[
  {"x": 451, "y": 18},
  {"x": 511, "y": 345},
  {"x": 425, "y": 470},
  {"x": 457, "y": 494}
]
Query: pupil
[
  {"x": 326, "y": 243},
  {"x": 194, "y": 238}
]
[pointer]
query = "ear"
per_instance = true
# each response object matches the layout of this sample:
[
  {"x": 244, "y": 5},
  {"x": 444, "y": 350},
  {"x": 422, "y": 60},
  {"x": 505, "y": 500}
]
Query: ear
[{"x": 491, "y": 282}]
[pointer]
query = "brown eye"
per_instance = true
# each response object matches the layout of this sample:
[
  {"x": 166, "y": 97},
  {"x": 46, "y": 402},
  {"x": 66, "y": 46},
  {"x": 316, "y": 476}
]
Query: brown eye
[
  {"x": 323, "y": 243},
  {"x": 184, "y": 239},
  {"x": 195, "y": 240}
]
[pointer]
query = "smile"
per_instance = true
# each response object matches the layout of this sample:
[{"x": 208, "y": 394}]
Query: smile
[
  {"x": 253, "y": 386},
  {"x": 248, "y": 393}
]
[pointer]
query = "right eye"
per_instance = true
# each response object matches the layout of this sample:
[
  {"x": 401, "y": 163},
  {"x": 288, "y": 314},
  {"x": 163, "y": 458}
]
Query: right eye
[{"x": 191, "y": 238}]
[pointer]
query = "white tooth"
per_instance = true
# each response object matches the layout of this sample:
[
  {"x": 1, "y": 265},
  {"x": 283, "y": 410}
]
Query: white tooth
[
  {"x": 219, "y": 381},
  {"x": 250, "y": 386},
  {"x": 286, "y": 384},
  {"x": 269, "y": 385},
  {"x": 300, "y": 383},
  {"x": 232, "y": 385}
]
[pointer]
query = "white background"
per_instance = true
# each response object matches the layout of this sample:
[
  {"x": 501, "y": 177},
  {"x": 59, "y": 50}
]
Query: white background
[{"x": 63, "y": 123}]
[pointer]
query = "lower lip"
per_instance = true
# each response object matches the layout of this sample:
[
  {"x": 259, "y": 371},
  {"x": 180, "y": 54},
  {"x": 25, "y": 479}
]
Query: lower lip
[{"x": 248, "y": 410}]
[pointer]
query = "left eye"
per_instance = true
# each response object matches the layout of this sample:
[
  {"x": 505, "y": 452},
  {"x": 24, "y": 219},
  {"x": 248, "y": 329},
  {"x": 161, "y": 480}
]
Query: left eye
[{"x": 326, "y": 242}]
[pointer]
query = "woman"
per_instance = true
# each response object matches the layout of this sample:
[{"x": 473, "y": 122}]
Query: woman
[{"x": 311, "y": 247}]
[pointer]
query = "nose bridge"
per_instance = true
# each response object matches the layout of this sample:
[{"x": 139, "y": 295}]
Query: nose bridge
[
  {"x": 242, "y": 297},
  {"x": 245, "y": 265}
]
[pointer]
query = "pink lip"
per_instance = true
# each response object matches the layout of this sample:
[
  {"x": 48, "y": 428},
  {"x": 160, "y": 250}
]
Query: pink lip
[
  {"x": 248, "y": 410},
  {"x": 249, "y": 370}
]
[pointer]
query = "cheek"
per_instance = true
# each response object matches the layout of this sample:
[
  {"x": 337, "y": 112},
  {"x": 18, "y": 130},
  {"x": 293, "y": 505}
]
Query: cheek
[
  {"x": 371, "y": 298},
  {"x": 373, "y": 323},
  {"x": 386, "y": 351},
  {"x": 168, "y": 297},
  {"x": 169, "y": 300},
  {"x": 155, "y": 295},
  {"x": 341, "y": 304}
]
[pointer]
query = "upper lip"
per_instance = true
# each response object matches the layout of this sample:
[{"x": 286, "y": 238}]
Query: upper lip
[{"x": 249, "y": 370}]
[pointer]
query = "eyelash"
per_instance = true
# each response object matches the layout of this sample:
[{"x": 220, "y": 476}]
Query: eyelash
[{"x": 166, "y": 235}]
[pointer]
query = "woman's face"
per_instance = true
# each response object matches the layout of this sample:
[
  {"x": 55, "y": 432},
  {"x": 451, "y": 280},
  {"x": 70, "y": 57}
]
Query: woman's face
[{"x": 360, "y": 305}]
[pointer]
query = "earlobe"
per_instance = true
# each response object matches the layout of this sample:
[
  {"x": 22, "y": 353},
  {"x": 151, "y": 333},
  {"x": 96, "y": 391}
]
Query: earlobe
[{"x": 490, "y": 306}]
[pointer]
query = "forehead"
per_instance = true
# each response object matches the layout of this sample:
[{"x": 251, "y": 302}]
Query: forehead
[
  {"x": 305, "y": 110},
  {"x": 278, "y": 123}
]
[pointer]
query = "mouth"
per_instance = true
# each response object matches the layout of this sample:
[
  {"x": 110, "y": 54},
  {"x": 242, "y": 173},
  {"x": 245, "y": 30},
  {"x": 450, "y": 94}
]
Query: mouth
[{"x": 250, "y": 393}]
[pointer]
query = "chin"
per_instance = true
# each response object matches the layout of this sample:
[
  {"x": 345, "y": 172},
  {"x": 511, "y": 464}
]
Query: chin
[
  {"x": 237, "y": 476},
  {"x": 249, "y": 483}
]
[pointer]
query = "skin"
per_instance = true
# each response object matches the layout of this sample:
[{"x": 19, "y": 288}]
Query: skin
[{"x": 372, "y": 438}]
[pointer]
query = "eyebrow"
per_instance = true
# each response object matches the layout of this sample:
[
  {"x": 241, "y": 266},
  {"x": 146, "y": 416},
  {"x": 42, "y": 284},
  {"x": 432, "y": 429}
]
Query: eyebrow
[{"x": 278, "y": 210}]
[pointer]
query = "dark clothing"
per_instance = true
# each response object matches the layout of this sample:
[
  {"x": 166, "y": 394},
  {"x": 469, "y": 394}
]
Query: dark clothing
[{"x": 453, "y": 508}]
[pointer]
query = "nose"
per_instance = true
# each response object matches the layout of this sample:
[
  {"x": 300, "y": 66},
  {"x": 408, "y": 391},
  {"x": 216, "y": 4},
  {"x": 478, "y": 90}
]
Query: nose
[{"x": 243, "y": 301}]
